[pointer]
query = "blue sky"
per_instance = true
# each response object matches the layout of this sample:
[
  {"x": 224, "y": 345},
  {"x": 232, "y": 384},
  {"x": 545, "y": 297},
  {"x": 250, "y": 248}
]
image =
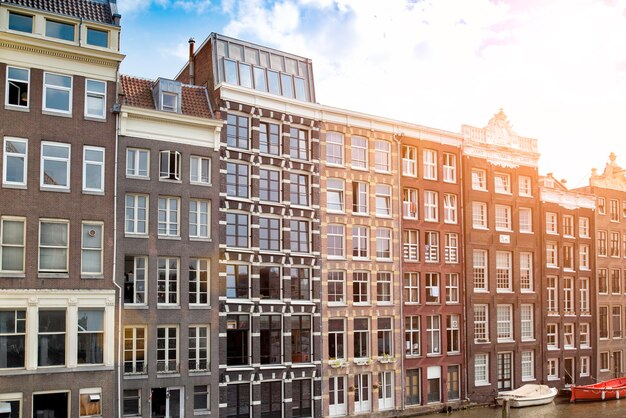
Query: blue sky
[{"x": 557, "y": 67}]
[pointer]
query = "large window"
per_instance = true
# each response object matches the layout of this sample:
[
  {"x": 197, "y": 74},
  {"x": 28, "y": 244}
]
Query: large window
[
  {"x": 568, "y": 295},
  {"x": 51, "y": 338},
  {"x": 433, "y": 334},
  {"x": 413, "y": 387},
  {"x": 551, "y": 223},
  {"x": 360, "y": 242},
  {"x": 527, "y": 324},
  {"x": 60, "y": 30},
  {"x": 299, "y": 189},
  {"x": 452, "y": 288},
  {"x": 135, "y": 280},
  {"x": 479, "y": 179},
  {"x": 504, "y": 273},
  {"x": 53, "y": 246},
  {"x": 169, "y": 216},
  {"x": 524, "y": 186},
  {"x": 412, "y": 340},
  {"x": 383, "y": 287},
  {"x": 57, "y": 93},
  {"x": 552, "y": 295},
  {"x": 237, "y": 230},
  {"x": 137, "y": 162},
  {"x": 431, "y": 206},
  {"x": 237, "y": 131},
  {"x": 451, "y": 250},
  {"x": 583, "y": 288},
  {"x": 12, "y": 244},
  {"x": 237, "y": 340},
  {"x": 361, "y": 338},
  {"x": 15, "y": 162},
  {"x": 481, "y": 323},
  {"x": 90, "y": 336},
  {"x": 432, "y": 287},
  {"x": 334, "y": 148},
  {"x": 453, "y": 333},
  {"x": 502, "y": 183},
  {"x": 359, "y": 152},
  {"x": 199, "y": 273},
  {"x": 360, "y": 287},
  {"x": 336, "y": 339},
  {"x": 237, "y": 181},
  {"x": 336, "y": 287},
  {"x": 269, "y": 138},
  {"x": 480, "y": 270},
  {"x": 383, "y": 200},
  {"x": 302, "y": 398},
  {"x": 167, "y": 349},
  {"x": 449, "y": 167},
  {"x": 91, "y": 248},
  {"x": 199, "y": 220},
  {"x": 552, "y": 336},
  {"x": 198, "y": 353},
  {"x": 383, "y": 243},
  {"x": 272, "y": 396},
  {"x": 409, "y": 203},
  {"x": 410, "y": 243},
  {"x": 17, "y": 87},
  {"x": 168, "y": 282},
  {"x": 199, "y": 170},
  {"x": 269, "y": 234},
  {"x": 525, "y": 220},
  {"x": 300, "y": 283},
  {"x": 411, "y": 287},
  {"x": 450, "y": 212},
  {"x": 55, "y": 165},
  {"x": 360, "y": 198},
  {"x": 335, "y": 195},
  {"x": 504, "y": 317},
  {"x": 97, "y": 37},
  {"x": 135, "y": 360},
  {"x": 431, "y": 247},
  {"x": 95, "y": 99},
  {"x": 238, "y": 401},
  {"x": 503, "y": 218},
  {"x": 136, "y": 213},
  {"x": 12, "y": 339},
  {"x": 20, "y": 22},
  {"x": 269, "y": 185},
  {"x": 383, "y": 156},
  {"x": 409, "y": 161},
  {"x": 601, "y": 246},
  {"x": 299, "y": 236},
  {"x": 603, "y": 315},
  {"x": 430, "y": 164},
  {"x": 237, "y": 281},
  {"x": 301, "y": 339},
  {"x": 298, "y": 143},
  {"x": 201, "y": 399},
  {"x": 479, "y": 215},
  {"x": 528, "y": 365},
  {"x": 481, "y": 369},
  {"x": 551, "y": 255},
  {"x": 270, "y": 282},
  {"x": 385, "y": 336},
  {"x": 335, "y": 235}
]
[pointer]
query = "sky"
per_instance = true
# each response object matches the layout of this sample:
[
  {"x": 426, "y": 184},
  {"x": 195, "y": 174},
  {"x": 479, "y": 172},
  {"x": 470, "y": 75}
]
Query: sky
[{"x": 556, "y": 67}]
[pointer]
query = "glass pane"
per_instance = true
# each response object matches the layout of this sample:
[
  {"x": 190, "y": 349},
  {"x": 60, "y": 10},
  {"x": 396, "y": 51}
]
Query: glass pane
[
  {"x": 12, "y": 259},
  {"x": 230, "y": 69},
  {"x": 92, "y": 236},
  {"x": 90, "y": 320},
  {"x": 245, "y": 75},
  {"x": 274, "y": 84},
  {"x": 94, "y": 155},
  {"x": 259, "y": 79},
  {"x": 58, "y": 80},
  {"x": 93, "y": 174},
  {"x": 18, "y": 74},
  {"x": 300, "y": 89},
  {"x": 53, "y": 234},
  {"x": 51, "y": 321},
  {"x": 53, "y": 259},
  {"x": 287, "y": 85},
  {"x": 97, "y": 37},
  {"x": 95, "y": 105},
  {"x": 55, "y": 173},
  {"x": 57, "y": 100},
  {"x": 59, "y": 30},
  {"x": 56, "y": 151},
  {"x": 91, "y": 261},
  {"x": 20, "y": 22}
]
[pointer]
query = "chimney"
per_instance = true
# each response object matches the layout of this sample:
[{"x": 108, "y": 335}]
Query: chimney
[{"x": 192, "y": 72}]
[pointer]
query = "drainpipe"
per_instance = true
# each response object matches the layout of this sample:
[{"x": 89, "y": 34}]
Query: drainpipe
[
  {"x": 116, "y": 111},
  {"x": 463, "y": 274}
]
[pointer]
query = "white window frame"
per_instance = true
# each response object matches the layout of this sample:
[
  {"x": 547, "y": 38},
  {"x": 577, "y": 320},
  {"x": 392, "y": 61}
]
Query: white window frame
[
  {"x": 341, "y": 192},
  {"x": 552, "y": 299},
  {"x": 410, "y": 245},
  {"x": 431, "y": 247},
  {"x": 198, "y": 173},
  {"x": 336, "y": 231},
  {"x": 380, "y": 153},
  {"x": 526, "y": 272},
  {"x": 583, "y": 332},
  {"x": 194, "y": 352},
  {"x": 414, "y": 336},
  {"x": 100, "y": 249},
  {"x": 362, "y": 165},
  {"x": 362, "y": 197},
  {"x": 481, "y": 323},
  {"x": 136, "y": 160},
  {"x": 6, "y": 154},
  {"x": 449, "y": 167},
  {"x": 168, "y": 108},
  {"x": 527, "y": 325},
  {"x": 410, "y": 202},
  {"x": 551, "y": 255},
  {"x": 429, "y": 162},
  {"x": 67, "y": 161},
  {"x": 168, "y": 215},
  {"x": 96, "y": 94},
  {"x": 166, "y": 349},
  {"x": 583, "y": 227},
  {"x": 61, "y": 88},
  {"x": 583, "y": 290},
  {"x": 452, "y": 288},
  {"x": 4, "y": 219},
  {"x": 194, "y": 231},
  {"x": 584, "y": 366},
  {"x": 358, "y": 237},
  {"x": 100, "y": 164},
  {"x": 528, "y": 366},
  {"x": 384, "y": 194},
  {"x": 66, "y": 247},
  {"x": 479, "y": 215},
  {"x": 505, "y": 180},
  {"x": 384, "y": 235},
  {"x": 481, "y": 268},
  {"x": 167, "y": 281},
  {"x": 198, "y": 269},
  {"x": 451, "y": 249},
  {"x": 450, "y": 208},
  {"x": 334, "y": 142},
  {"x": 504, "y": 271},
  {"x": 525, "y": 220},
  {"x": 503, "y": 218},
  {"x": 135, "y": 208},
  {"x": 481, "y": 369},
  {"x": 134, "y": 281},
  {"x": 177, "y": 166},
  {"x": 433, "y": 335},
  {"x": 568, "y": 224},
  {"x": 411, "y": 283},
  {"x": 479, "y": 179},
  {"x": 409, "y": 161},
  {"x": 568, "y": 336},
  {"x": 568, "y": 295},
  {"x": 553, "y": 369},
  {"x": 525, "y": 186},
  {"x": 6, "y": 89},
  {"x": 551, "y": 223},
  {"x": 431, "y": 206},
  {"x": 504, "y": 319},
  {"x": 552, "y": 337}
]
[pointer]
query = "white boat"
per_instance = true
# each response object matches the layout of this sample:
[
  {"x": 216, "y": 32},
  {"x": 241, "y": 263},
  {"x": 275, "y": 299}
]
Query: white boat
[{"x": 528, "y": 395}]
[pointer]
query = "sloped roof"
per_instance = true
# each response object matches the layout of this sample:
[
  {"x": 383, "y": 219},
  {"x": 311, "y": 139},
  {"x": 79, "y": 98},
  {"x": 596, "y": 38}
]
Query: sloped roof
[
  {"x": 137, "y": 92},
  {"x": 94, "y": 10}
]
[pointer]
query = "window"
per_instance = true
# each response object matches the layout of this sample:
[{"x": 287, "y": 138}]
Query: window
[
  {"x": 132, "y": 402},
  {"x": 135, "y": 280},
  {"x": 502, "y": 183},
  {"x": 57, "y": 93},
  {"x": 237, "y": 281},
  {"x": 525, "y": 186},
  {"x": 553, "y": 300},
  {"x": 431, "y": 206},
  {"x": 481, "y": 323},
  {"x": 167, "y": 281},
  {"x": 199, "y": 170},
  {"x": 479, "y": 179},
  {"x": 271, "y": 339},
  {"x": 201, "y": 398},
  {"x": 93, "y": 169},
  {"x": 299, "y": 189},
  {"x": 51, "y": 338},
  {"x": 90, "y": 402},
  {"x": 583, "y": 256},
  {"x": 451, "y": 250},
  {"x": 55, "y": 165},
  {"x": 361, "y": 338},
  {"x": 450, "y": 209},
  {"x": 302, "y": 398},
  {"x": 199, "y": 273},
  {"x": 91, "y": 250},
  {"x": 95, "y": 98},
  {"x": 359, "y": 151},
  {"x": 413, "y": 387},
  {"x": 269, "y": 185},
  {"x": 300, "y": 283},
  {"x": 604, "y": 361},
  {"x": 432, "y": 287},
  {"x": 237, "y": 230},
  {"x": 137, "y": 162},
  {"x": 503, "y": 218},
  {"x": 551, "y": 255},
  {"x": 167, "y": 349},
  {"x": 583, "y": 288},
  {"x": 301, "y": 349},
  {"x": 431, "y": 247},
  {"x": 584, "y": 366},
  {"x": 270, "y": 282},
  {"x": 430, "y": 164},
  {"x": 411, "y": 245},
  {"x": 604, "y": 322},
  {"x": 336, "y": 287},
  {"x": 20, "y": 22},
  {"x": 452, "y": 288},
  {"x": 199, "y": 218},
  {"x": 383, "y": 243},
  {"x": 169, "y": 215},
  {"x": 525, "y": 220},
  {"x": 299, "y": 236},
  {"x": 53, "y": 246},
  {"x": 385, "y": 336},
  {"x": 552, "y": 336},
  {"x": 411, "y": 287},
  {"x": 527, "y": 324},
  {"x": 382, "y": 156},
  {"x": 337, "y": 388},
  {"x": 335, "y": 195},
  {"x": 272, "y": 395},
  {"x": 449, "y": 167},
  {"x": 360, "y": 287},
  {"x": 479, "y": 215},
  {"x": 409, "y": 161},
  {"x": 237, "y": 340},
  {"x": 336, "y": 339},
  {"x": 504, "y": 314},
  {"x": 383, "y": 287},
  {"x": 238, "y": 401},
  {"x": 269, "y": 138},
  {"x": 568, "y": 225},
  {"x": 59, "y": 30},
  {"x": 553, "y": 369},
  {"x": 583, "y": 227},
  {"x": 614, "y": 210},
  {"x": 481, "y": 369},
  {"x": 360, "y": 242},
  {"x": 237, "y": 181},
  {"x": 360, "y": 197},
  {"x": 12, "y": 244},
  {"x": 480, "y": 270},
  {"x": 526, "y": 272},
  {"x": 453, "y": 333},
  {"x": 237, "y": 131},
  {"x": 97, "y": 37},
  {"x": 616, "y": 320},
  {"x": 568, "y": 336},
  {"x": 614, "y": 244},
  {"x": 335, "y": 240},
  {"x": 409, "y": 203},
  {"x": 170, "y": 165},
  {"x": 383, "y": 200},
  {"x": 412, "y": 335},
  {"x": 90, "y": 336},
  {"x": 17, "y": 88},
  {"x": 269, "y": 234},
  {"x": 528, "y": 365},
  {"x": 433, "y": 334},
  {"x": 616, "y": 282},
  {"x": 601, "y": 206},
  {"x": 584, "y": 335},
  {"x": 298, "y": 144},
  {"x": 12, "y": 339},
  {"x": 136, "y": 210},
  {"x": 568, "y": 256},
  {"x": 601, "y": 244},
  {"x": 334, "y": 148},
  {"x": 169, "y": 102}
]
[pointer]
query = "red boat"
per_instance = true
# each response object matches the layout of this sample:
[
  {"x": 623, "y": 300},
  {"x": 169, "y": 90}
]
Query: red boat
[{"x": 602, "y": 391}]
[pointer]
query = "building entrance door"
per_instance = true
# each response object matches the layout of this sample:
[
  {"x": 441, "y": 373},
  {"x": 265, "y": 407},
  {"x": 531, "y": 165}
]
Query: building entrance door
[
  {"x": 166, "y": 403},
  {"x": 505, "y": 371}
]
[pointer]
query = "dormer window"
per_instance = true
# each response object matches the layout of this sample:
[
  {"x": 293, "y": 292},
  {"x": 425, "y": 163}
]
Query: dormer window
[
  {"x": 20, "y": 22},
  {"x": 169, "y": 102},
  {"x": 59, "y": 30},
  {"x": 97, "y": 37}
]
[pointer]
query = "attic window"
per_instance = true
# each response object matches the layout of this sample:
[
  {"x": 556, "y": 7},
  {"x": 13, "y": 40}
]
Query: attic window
[{"x": 169, "y": 102}]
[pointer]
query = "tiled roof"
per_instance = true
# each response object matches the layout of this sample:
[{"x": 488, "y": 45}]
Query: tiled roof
[
  {"x": 94, "y": 10},
  {"x": 137, "y": 92}
]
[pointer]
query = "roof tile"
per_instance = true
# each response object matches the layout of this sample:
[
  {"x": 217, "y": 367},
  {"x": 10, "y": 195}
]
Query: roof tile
[{"x": 94, "y": 10}]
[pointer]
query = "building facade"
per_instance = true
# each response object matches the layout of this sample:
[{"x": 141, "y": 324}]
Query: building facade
[
  {"x": 270, "y": 237},
  {"x": 167, "y": 248},
  {"x": 568, "y": 271},
  {"x": 502, "y": 251},
  {"x": 58, "y": 65}
]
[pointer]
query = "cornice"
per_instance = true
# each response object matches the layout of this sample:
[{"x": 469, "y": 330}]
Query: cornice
[
  {"x": 160, "y": 116},
  {"x": 503, "y": 157},
  {"x": 568, "y": 200}
]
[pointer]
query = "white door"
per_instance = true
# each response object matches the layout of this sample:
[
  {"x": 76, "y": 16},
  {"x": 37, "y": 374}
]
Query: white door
[
  {"x": 337, "y": 396},
  {"x": 385, "y": 390},
  {"x": 175, "y": 401},
  {"x": 362, "y": 398}
]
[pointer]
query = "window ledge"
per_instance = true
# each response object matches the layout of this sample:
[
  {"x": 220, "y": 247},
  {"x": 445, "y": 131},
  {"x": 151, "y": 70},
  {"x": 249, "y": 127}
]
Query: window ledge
[
  {"x": 198, "y": 306},
  {"x": 16, "y": 108},
  {"x": 130, "y": 176},
  {"x": 167, "y": 237},
  {"x": 8, "y": 275},
  {"x": 272, "y": 367},
  {"x": 165, "y": 375},
  {"x": 93, "y": 192},
  {"x": 197, "y": 183},
  {"x": 161, "y": 306},
  {"x": 127, "y": 235},
  {"x": 95, "y": 118},
  {"x": 131, "y": 306},
  {"x": 337, "y": 305},
  {"x": 53, "y": 189},
  {"x": 243, "y": 368},
  {"x": 302, "y": 365},
  {"x": 92, "y": 276},
  {"x": 271, "y": 302},
  {"x": 200, "y": 239},
  {"x": 480, "y": 384},
  {"x": 51, "y": 112},
  {"x": 135, "y": 376},
  {"x": 166, "y": 180},
  {"x": 528, "y": 379},
  {"x": 53, "y": 276},
  {"x": 14, "y": 186},
  {"x": 553, "y": 378}
]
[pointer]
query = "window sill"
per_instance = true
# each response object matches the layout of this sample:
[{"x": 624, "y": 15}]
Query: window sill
[
  {"x": 8, "y": 275},
  {"x": 335, "y": 258},
  {"x": 16, "y": 108},
  {"x": 93, "y": 192},
  {"x": 269, "y": 301},
  {"x": 480, "y": 228},
  {"x": 165, "y": 375},
  {"x": 166, "y": 180},
  {"x": 238, "y": 301},
  {"x": 337, "y": 305},
  {"x": 553, "y": 378},
  {"x": 168, "y": 306},
  {"x": 197, "y": 306},
  {"x": 136, "y": 376},
  {"x": 132, "y": 306},
  {"x": 14, "y": 186},
  {"x": 95, "y": 118},
  {"x": 197, "y": 183},
  {"x": 53, "y": 276},
  {"x": 272, "y": 366},
  {"x": 144, "y": 236},
  {"x": 172, "y": 238},
  {"x": 131, "y": 177},
  {"x": 528, "y": 379},
  {"x": 200, "y": 239},
  {"x": 296, "y": 206},
  {"x": 92, "y": 276},
  {"x": 52, "y": 112},
  {"x": 505, "y": 341},
  {"x": 481, "y": 384},
  {"x": 302, "y": 365},
  {"x": 54, "y": 189}
]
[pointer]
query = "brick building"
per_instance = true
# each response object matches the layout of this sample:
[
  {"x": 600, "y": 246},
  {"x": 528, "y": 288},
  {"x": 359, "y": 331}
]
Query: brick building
[{"x": 58, "y": 65}]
